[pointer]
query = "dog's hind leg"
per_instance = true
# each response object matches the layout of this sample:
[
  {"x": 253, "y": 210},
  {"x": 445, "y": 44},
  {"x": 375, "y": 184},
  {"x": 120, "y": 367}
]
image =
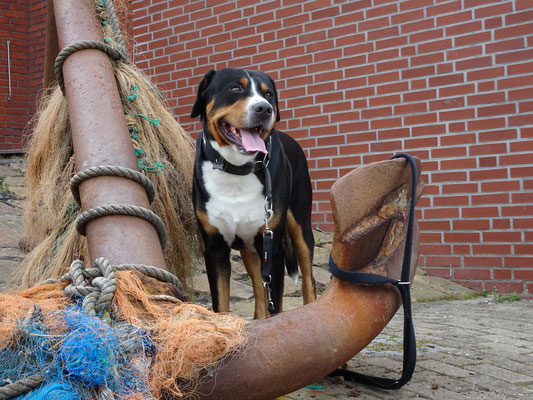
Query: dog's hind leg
[
  {"x": 302, "y": 240},
  {"x": 252, "y": 263},
  {"x": 218, "y": 268}
]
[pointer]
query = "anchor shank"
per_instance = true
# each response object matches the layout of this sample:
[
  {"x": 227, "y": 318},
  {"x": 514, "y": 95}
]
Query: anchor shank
[{"x": 100, "y": 136}]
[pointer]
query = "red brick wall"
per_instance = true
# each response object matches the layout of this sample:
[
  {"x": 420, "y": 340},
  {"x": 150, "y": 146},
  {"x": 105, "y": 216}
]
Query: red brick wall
[
  {"x": 448, "y": 81},
  {"x": 22, "y": 23}
]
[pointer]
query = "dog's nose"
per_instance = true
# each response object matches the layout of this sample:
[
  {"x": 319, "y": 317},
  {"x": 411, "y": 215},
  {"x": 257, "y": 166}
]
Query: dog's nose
[{"x": 263, "y": 110}]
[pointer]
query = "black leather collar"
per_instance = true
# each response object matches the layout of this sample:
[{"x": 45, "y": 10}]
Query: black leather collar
[{"x": 222, "y": 164}]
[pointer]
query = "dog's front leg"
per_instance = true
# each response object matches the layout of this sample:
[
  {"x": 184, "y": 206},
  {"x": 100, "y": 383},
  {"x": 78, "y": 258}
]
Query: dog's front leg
[
  {"x": 252, "y": 263},
  {"x": 218, "y": 268}
]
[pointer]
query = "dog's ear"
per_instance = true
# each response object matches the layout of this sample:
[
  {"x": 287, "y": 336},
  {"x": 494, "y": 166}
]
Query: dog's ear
[
  {"x": 198, "y": 107},
  {"x": 275, "y": 98}
]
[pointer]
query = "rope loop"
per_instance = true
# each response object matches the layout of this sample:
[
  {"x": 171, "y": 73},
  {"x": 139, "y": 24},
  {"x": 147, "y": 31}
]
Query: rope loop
[
  {"x": 111, "y": 170},
  {"x": 123, "y": 209},
  {"x": 113, "y": 53}
]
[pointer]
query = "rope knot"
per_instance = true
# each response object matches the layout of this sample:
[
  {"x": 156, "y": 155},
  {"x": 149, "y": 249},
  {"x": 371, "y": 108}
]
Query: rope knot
[{"x": 95, "y": 285}]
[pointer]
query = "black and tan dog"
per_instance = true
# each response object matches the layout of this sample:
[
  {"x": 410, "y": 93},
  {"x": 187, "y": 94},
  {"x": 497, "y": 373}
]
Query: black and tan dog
[{"x": 237, "y": 153}]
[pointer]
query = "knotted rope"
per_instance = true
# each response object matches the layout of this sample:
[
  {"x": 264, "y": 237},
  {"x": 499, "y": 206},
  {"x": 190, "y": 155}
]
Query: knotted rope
[{"x": 97, "y": 285}]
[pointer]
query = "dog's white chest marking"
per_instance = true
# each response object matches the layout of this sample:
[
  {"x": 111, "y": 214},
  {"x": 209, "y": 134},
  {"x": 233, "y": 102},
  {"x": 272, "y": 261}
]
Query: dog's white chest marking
[{"x": 236, "y": 204}]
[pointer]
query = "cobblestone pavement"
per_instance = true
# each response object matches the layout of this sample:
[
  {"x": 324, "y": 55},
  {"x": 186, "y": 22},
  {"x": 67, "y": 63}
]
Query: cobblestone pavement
[
  {"x": 467, "y": 349},
  {"x": 11, "y": 229}
]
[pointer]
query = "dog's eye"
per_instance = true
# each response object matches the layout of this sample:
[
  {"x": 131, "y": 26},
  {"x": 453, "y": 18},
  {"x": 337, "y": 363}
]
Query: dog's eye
[
  {"x": 268, "y": 94},
  {"x": 237, "y": 89}
]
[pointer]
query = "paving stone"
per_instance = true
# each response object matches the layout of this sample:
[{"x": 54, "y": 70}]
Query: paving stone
[
  {"x": 321, "y": 275},
  {"x": 10, "y": 169},
  {"x": 502, "y": 373},
  {"x": 11, "y": 229},
  {"x": 445, "y": 369}
]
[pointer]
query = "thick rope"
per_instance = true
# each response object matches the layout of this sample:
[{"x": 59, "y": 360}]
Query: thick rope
[
  {"x": 78, "y": 275},
  {"x": 115, "y": 26},
  {"x": 83, "y": 45},
  {"x": 111, "y": 170},
  {"x": 20, "y": 387},
  {"x": 153, "y": 272},
  {"x": 123, "y": 209}
]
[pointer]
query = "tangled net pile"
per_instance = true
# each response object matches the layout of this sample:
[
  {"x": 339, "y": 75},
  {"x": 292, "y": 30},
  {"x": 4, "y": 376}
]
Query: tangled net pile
[{"x": 150, "y": 349}]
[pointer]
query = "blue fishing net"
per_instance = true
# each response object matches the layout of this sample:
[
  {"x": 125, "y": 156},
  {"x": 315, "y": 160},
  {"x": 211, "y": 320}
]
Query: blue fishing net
[{"x": 77, "y": 354}]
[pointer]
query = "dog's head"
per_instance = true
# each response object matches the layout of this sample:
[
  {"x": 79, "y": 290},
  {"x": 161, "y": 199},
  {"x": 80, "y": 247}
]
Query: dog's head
[{"x": 238, "y": 108}]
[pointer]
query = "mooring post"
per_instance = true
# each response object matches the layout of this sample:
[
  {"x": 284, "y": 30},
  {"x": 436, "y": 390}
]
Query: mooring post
[{"x": 100, "y": 136}]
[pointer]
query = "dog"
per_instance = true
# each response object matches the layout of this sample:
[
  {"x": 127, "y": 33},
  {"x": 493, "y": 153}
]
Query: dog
[{"x": 251, "y": 190}]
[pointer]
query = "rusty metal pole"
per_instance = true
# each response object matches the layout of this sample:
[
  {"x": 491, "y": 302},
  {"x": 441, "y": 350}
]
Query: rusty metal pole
[{"x": 100, "y": 136}]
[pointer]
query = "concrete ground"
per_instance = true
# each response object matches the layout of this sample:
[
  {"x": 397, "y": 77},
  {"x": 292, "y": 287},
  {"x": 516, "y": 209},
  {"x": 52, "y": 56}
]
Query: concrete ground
[{"x": 469, "y": 347}]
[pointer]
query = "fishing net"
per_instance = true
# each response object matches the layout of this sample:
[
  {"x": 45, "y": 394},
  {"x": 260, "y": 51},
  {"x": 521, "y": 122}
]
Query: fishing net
[{"x": 150, "y": 348}]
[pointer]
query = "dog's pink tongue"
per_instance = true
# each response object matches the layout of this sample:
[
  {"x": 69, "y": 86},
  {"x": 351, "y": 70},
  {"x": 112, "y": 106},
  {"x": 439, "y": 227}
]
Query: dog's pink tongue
[{"x": 251, "y": 142}]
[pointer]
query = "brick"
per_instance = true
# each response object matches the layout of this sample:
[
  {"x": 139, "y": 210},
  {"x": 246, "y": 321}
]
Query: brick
[
  {"x": 500, "y": 186},
  {"x": 521, "y": 172},
  {"x": 436, "y": 261},
  {"x": 479, "y": 212},
  {"x": 423, "y": 130},
  {"x": 434, "y": 225},
  {"x": 435, "y": 45},
  {"x": 507, "y": 83},
  {"x": 516, "y": 18},
  {"x": 460, "y": 29},
  {"x": 496, "y": 110},
  {"x": 500, "y": 198},
  {"x": 454, "y": 18},
  {"x": 440, "y": 213},
  {"x": 470, "y": 237},
  {"x": 505, "y": 45},
  {"x": 502, "y": 274},
  {"x": 472, "y": 38},
  {"x": 518, "y": 211},
  {"x": 450, "y": 201},
  {"x": 446, "y": 80},
  {"x": 477, "y": 273},
  {"x": 510, "y": 31},
  {"x": 514, "y": 56},
  {"x": 523, "y": 223},
  {"x": 438, "y": 272},
  {"x": 498, "y": 9},
  {"x": 460, "y": 188},
  {"x": 487, "y": 249},
  {"x": 524, "y": 274},
  {"x": 504, "y": 287},
  {"x": 518, "y": 262}
]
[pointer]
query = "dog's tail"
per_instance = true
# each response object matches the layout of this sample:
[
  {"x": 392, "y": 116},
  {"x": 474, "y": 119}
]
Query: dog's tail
[{"x": 291, "y": 258}]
